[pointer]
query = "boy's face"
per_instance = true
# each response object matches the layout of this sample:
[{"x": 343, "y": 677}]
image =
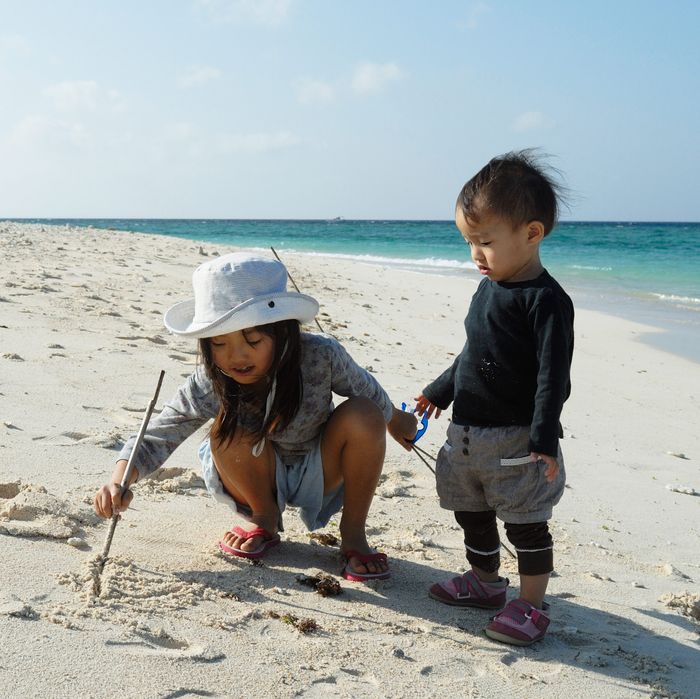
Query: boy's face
[{"x": 502, "y": 253}]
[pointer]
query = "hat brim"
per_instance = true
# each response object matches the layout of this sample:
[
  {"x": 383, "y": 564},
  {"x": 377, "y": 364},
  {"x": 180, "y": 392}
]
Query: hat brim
[{"x": 261, "y": 310}]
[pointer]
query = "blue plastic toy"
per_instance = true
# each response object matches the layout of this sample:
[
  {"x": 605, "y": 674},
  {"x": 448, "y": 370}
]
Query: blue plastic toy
[{"x": 423, "y": 422}]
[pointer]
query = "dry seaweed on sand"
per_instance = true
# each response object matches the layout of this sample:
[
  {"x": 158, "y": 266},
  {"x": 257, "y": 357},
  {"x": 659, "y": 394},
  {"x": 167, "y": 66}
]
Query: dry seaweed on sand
[
  {"x": 301, "y": 625},
  {"x": 325, "y": 585},
  {"x": 325, "y": 538}
]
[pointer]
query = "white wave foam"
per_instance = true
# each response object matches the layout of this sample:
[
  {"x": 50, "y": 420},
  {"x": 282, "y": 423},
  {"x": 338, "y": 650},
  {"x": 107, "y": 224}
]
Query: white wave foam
[
  {"x": 432, "y": 262},
  {"x": 398, "y": 261},
  {"x": 591, "y": 268},
  {"x": 678, "y": 299}
]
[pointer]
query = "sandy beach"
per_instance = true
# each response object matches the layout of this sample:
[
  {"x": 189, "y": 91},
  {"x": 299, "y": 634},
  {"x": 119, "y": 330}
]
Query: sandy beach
[{"x": 81, "y": 346}]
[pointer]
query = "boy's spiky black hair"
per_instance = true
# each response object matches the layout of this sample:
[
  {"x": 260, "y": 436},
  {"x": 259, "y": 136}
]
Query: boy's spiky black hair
[{"x": 516, "y": 186}]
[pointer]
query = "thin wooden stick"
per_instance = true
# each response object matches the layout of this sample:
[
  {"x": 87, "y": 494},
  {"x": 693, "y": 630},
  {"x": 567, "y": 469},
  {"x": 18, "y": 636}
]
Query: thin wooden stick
[
  {"x": 425, "y": 453},
  {"x": 129, "y": 470},
  {"x": 512, "y": 555},
  {"x": 294, "y": 284},
  {"x": 417, "y": 453}
]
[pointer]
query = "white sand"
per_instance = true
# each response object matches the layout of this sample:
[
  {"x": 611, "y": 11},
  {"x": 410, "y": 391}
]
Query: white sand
[{"x": 81, "y": 345}]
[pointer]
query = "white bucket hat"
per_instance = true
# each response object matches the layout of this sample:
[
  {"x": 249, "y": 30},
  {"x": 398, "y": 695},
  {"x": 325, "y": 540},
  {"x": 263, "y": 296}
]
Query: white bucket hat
[{"x": 235, "y": 292}]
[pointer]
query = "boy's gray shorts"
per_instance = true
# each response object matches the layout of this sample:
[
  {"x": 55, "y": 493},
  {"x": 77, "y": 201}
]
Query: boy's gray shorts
[
  {"x": 299, "y": 484},
  {"x": 489, "y": 468}
]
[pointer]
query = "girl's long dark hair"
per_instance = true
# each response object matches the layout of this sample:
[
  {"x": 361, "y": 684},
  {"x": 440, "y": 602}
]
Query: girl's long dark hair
[{"x": 236, "y": 399}]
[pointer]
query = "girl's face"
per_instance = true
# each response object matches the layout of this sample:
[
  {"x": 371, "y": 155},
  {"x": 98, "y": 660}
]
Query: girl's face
[
  {"x": 246, "y": 356},
  {"x": 501, "y": 253}
]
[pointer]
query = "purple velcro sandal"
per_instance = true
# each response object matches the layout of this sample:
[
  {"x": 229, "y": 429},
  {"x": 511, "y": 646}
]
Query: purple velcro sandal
[
  {"x": 468, "y": 591},
  {"x": 519, "y": 623}
]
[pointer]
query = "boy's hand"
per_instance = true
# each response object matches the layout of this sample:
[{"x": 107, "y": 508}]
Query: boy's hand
[
  {"x": 403, "y": 427},
  {"x": 552, "y": 468},
  {"x": 423, "y": 405}
]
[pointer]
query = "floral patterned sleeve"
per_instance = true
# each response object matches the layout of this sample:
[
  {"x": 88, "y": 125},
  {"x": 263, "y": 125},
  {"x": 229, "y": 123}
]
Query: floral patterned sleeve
[
  {"x": 350, "y": 380},
  {"x": 194, "y": 403}
]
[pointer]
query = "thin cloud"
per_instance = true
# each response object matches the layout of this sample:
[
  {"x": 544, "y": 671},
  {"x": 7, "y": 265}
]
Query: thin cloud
[
  {"x": 373, "y": 77},
  {"x": 198, "y": 75},
  {"x": 74, "y": 95},
  {"x": 531, "y": 121},
  {"x": 258, "y": 142},
  {"x": 186, "y": 139},
  {"x": 265, "y": 12},
  {"x": 311, "y": 91},
  {"x": 83, "y": 96},
  {"x": 179, "y": 131},
  {"x": 475, "y": 13},
  {"x": 36, "y": 131},
  {"x": 14, "y": 45}
]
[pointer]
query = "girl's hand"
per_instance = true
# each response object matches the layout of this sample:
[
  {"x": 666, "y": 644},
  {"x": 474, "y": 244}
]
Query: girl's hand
[
  {"x": 108, "y": 499},
  {"x": 552, "y": 465},
  {"x": 403, "y": 427},
  {"x": 423, "y": 405}
]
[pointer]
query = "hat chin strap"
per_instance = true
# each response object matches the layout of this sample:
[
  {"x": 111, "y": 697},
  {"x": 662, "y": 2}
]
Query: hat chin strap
[{"x": 257, "y": 448}]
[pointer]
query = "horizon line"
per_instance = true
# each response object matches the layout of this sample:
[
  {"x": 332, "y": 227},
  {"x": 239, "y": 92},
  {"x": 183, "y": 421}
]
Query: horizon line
[{"x": 314, "y": 220}]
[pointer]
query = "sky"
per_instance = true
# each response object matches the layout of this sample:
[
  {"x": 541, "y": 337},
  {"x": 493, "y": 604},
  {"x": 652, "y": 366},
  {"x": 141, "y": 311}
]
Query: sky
[{"x": 371, "y": 109}]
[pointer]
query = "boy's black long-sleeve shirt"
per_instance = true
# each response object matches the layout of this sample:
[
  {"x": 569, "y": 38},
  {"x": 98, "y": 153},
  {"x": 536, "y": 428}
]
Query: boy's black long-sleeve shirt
[{"x": 514, "y": 368}]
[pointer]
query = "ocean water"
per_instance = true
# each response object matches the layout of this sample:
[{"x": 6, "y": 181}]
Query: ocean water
[{"x": 645, "y": 271}]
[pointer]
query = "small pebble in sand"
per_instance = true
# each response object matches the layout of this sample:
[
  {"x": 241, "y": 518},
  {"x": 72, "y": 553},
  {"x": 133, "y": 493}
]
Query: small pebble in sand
[
  {"x": 677, "y": 454},
  {"x": 13, "y": 356},
  {"x": 668, "y": 569},
  {"x": 76, "y": 541},
  {"x": 638, "y": 584},
  {"x": 685, "y": 489}
]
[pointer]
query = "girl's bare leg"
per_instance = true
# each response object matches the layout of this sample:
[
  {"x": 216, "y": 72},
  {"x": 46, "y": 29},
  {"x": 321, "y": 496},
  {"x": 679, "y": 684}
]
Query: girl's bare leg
[
  {"x": 352, "y": 449},
  {"x": 251, "y": 481}
]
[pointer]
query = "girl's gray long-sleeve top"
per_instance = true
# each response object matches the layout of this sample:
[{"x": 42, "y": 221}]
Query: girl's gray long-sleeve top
[{"x": 326, "y": 368}]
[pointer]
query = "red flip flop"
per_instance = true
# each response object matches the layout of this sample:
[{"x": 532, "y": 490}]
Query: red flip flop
[
  {"x": 364, "y": 558},
  {"x": 269, "y": 540}
]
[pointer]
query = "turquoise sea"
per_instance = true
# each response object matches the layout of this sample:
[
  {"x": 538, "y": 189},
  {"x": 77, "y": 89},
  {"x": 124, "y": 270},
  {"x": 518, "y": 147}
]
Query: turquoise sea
[{"x": 644, "y": 271}]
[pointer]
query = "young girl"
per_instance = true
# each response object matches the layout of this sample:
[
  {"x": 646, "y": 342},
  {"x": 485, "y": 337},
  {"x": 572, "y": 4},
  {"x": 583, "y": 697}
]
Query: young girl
[{"x": 276, "y": 439}]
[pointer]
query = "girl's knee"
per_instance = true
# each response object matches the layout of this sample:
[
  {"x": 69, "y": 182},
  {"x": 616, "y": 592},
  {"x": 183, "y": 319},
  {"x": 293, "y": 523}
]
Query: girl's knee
[{"x": 360, "y": 414}]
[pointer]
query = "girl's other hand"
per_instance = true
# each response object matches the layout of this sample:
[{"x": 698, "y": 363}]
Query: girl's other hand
[
  {"x": 423, "y": 405},
  {"x": 403, "y": 427}
]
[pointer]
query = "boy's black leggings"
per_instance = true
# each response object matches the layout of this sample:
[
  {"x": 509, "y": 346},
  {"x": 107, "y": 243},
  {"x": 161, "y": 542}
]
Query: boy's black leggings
[{"x": 532, "y": 542}]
